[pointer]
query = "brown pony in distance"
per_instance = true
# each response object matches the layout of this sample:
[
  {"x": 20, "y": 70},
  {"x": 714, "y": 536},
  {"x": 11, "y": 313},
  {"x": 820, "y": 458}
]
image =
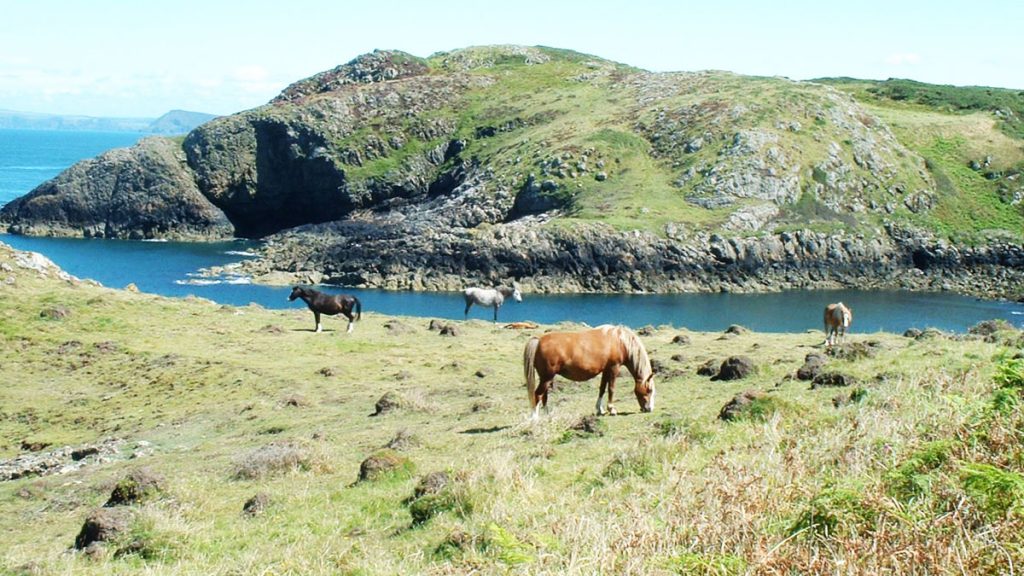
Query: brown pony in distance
[
  {"x": 837, "y": 319},
  {"x": 330, "y": 304},
  {"x": 580, "y": 356}
]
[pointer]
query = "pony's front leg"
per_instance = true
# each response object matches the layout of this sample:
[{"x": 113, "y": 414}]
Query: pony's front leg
[
  {"x": 610, "y": 375},
  {"x": 351, "y": 324},
  {"x": 316, "y": 316},
  {"x": 600, "y": 397},
  {"x": 496, "y": 313}
]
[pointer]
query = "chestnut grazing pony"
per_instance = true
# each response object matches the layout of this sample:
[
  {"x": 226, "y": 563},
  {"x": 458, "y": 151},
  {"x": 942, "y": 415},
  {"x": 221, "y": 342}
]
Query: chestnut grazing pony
[
  {"x": 580, "y": 356},
  {"x": 837, "y": 319},
  {"x": 330, "y": 304}
]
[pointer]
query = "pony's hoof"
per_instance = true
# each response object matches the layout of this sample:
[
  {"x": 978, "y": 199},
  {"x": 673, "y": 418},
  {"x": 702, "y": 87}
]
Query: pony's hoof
[{"x": 612, "y": 411}]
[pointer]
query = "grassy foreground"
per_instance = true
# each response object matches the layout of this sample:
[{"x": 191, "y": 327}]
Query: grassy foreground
[{"x": 918, "y": 468}]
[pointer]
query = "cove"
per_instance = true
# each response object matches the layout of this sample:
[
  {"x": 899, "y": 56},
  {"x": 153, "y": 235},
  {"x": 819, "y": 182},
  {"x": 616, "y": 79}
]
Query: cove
[{"x": 169, "y": 269}]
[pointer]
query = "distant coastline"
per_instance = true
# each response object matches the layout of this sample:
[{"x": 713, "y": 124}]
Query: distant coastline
[{"x": 173, "y": 122}]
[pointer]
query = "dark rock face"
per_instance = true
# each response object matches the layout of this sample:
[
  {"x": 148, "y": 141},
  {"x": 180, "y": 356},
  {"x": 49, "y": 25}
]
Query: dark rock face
[{"x": 146, "y": 191}]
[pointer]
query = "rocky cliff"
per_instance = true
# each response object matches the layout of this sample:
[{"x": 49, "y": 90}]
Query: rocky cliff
[{"x": 565, "y": 171}]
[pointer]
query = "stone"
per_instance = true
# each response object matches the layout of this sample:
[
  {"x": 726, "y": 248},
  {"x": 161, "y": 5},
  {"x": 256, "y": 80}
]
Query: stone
[
  {"x": 103, "y": 525},
  {"x": 735, "y": 368}
]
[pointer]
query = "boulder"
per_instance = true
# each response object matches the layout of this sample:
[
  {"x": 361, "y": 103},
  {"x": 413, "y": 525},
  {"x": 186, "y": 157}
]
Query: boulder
[
  {"x": 104, "y": 525},
  {"x": 813, "y": 363},
  {"x": 735, "y": 368}
]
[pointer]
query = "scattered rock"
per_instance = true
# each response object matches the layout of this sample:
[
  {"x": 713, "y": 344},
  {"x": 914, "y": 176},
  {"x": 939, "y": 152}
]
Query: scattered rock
[
  {"x": 912, "y": 333},
  {"x": 107, "y": 347},
  {"x": 734, "y": 368},
  {"x": 853, "y": 397},
  {"x": 389, "y": 402},
  {"x": 589, "y": 425},
  {"x": 256, "y": 505},
  {"x": 59, "y": 461},
  {"x": 271, "y": 329},
  {"x": 681, "y": 339},
  {"x": 103, "y": 525},
  {"x": 297, "y": 401},
  {"x": 855, "y": 350},
  {"x": 450, "y": 330},
  {"x": 740, "y": 403},
  {"x": 397, "y": 328},
  {"x": 327, "y": 372},
  {"x": 34, "y": 445},
  {"x": 403, "y": 440},
  {"x": 432, "y": 483},
  {"x": 832, "y": 379},
  {"x": 736, "y": 329},
  {"x": 677, "y": 358},
  {"x": 646, "y": 331},
  {"x": 709, "y": 368},
  {"x": 383, "y": 463},
  {"x": 131, "y": 287},
  {"x": 813, "y": 363},
  {"x": 55, "y": 313},
  {"x": 435, "y": 325},
  {"x": 522, "y": 325},
  {"x": 484, "y": 372},
  {"x": 140, "y": 485}
]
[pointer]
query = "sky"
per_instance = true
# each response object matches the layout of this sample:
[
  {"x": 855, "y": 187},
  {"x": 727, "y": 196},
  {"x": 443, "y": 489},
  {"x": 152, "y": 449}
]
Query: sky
[{"x": 142, "y": 58}]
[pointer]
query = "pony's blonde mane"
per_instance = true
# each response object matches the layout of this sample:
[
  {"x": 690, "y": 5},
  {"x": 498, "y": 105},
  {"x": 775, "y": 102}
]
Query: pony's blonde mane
[{"x": 637, "y": 360}]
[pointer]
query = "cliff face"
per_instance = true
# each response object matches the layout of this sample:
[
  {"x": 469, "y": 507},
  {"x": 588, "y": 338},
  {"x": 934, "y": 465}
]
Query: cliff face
[
  {"x": 560, "y": 169},
  {"x": 146, "y": 191}
]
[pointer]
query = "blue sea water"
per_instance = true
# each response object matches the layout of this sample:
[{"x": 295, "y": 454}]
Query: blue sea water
[{"x": 28, "y": 158}]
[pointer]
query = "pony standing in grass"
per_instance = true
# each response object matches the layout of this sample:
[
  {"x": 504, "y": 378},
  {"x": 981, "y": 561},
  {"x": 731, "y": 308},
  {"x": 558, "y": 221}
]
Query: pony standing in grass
[
  {"x": 837, "y": 320},
  {"x": 492, "y": 297},
  {"x": 330, "y": 304},
  {"x": 580, "y": 356}
]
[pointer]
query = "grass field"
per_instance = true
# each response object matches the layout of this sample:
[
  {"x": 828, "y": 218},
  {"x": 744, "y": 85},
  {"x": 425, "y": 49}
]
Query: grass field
[{"x": 916, "y": 468}]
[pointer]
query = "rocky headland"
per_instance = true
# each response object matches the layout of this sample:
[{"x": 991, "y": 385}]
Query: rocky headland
[{"x": 567, "y": 173}]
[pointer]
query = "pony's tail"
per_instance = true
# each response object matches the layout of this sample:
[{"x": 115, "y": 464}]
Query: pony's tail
[
  {"x": 359, "y": 308},
  {"x": 529, "y": 370}
]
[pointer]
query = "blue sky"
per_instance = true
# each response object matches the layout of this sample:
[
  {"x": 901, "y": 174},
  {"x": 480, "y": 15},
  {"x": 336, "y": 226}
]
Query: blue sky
[{"x": 145, "y": 57}]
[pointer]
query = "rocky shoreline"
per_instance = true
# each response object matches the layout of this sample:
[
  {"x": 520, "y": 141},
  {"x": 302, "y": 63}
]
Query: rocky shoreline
[{"x": 595, "y": 259}]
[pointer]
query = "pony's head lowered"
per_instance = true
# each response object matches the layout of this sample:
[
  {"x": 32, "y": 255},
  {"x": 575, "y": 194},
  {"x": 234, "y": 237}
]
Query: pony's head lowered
[
  {"x": 639, "y": 365},
  {"x": 512, "y": 292}
]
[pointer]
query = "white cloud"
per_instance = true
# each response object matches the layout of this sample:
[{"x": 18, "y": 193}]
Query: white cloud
[{"x": 903, "y": 59}]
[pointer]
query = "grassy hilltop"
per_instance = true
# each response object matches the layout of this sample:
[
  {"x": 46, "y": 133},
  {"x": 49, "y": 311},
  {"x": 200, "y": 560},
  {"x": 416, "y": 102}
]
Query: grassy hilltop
[
  {"x": 574, "y": 173},
  {"x": 915, "y": 467}
]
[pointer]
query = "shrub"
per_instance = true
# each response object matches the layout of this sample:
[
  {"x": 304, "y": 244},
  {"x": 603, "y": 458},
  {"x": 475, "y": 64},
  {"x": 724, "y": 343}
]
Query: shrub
[
  {"x": 709, "y": 564},
  {"x": 914, "y": 476},
  {"x": 996, "y": 492},
  {"x": 274, "y": 458},
  {"x": 833, "y": 511}
]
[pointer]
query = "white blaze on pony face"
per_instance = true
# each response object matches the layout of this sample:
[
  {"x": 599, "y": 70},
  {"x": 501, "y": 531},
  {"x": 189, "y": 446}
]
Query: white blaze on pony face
[{"x": 517, "y": 295}]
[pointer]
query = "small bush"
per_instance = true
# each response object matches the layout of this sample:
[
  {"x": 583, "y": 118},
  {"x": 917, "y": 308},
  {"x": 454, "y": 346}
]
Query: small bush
[
  {"x": 996, "y": 492},
  {"x": 641, "y": 465},
  {"x": 835, "y": 511},
  {"x": 1010, "y": 374},
  {"x": 914, "y": 477},
  {"x": 507, "y": 547},
  {"x": 452, "y": 499},
  {"x": 274, "y": 458},
  {"x": 708, "y": 564}
]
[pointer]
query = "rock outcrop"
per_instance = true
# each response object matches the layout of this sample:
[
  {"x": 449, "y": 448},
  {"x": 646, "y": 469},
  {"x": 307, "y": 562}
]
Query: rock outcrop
[{"x": 477, "y": 165}]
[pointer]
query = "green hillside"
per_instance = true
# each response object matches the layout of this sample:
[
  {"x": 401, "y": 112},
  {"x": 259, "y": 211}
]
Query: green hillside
[{"x": 915, "y": 467}]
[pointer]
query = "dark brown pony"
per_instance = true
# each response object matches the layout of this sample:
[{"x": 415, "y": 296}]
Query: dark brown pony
[
  {"x": 582, "y": 355},
  {"x": 837, "y": 320},
  {"x": 330, "y": 304}
]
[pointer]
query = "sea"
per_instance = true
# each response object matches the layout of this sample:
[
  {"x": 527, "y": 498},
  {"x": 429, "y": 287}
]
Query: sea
[{"x": 30, "y": 157}]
